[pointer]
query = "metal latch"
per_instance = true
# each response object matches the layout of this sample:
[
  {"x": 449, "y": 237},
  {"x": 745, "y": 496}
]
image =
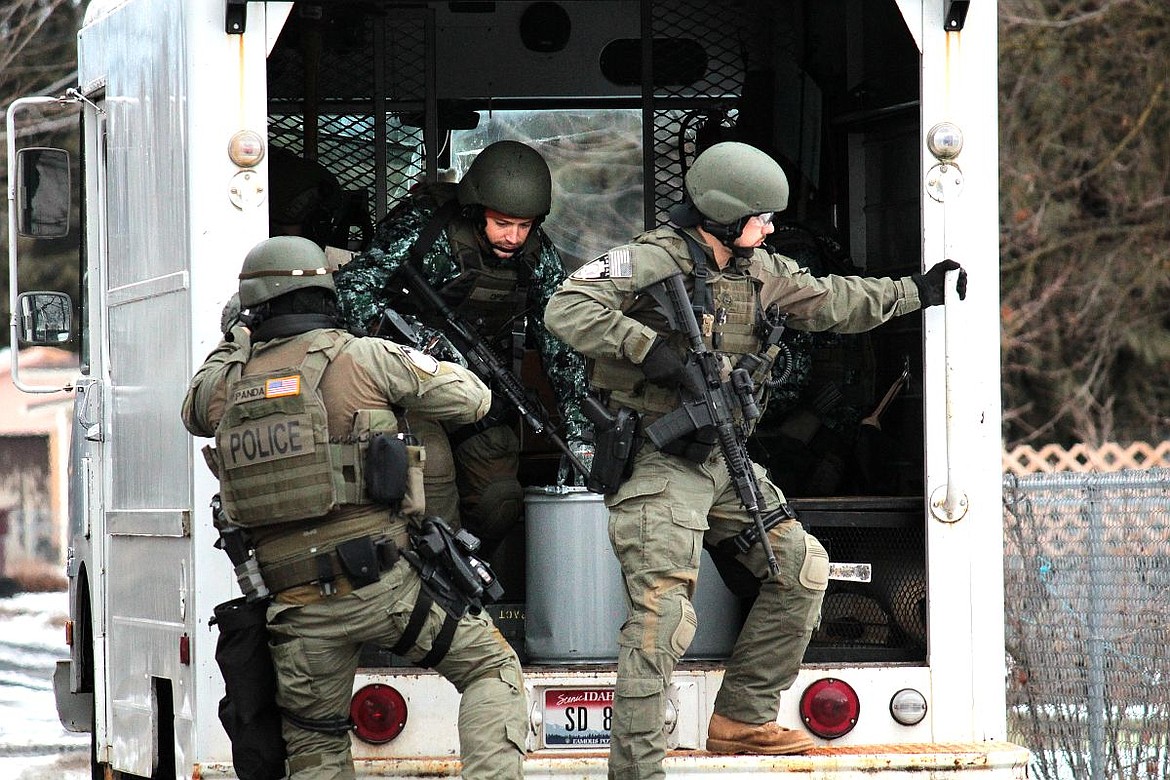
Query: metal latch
[{"x": 235, "y": 17}]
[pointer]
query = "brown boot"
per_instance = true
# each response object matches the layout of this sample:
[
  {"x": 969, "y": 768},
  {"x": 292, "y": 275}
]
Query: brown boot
[{"x": 725, "y": 735}]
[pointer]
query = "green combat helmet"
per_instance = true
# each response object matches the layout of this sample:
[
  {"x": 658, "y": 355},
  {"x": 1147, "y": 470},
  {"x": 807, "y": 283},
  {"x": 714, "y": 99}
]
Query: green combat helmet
[
  {"x": 508, "y": 177},
  {"x": 731, "y": 180},
  {"x": 279, "y": 265}
]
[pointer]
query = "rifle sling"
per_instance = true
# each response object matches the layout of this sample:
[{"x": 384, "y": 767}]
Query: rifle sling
[
  {"x": 701, "y": 298},
  {"x": 430, "y": 232}
]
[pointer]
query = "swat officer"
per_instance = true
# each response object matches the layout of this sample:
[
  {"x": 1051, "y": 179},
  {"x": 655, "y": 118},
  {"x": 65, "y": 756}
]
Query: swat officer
[
  {"x": 310, "y": 464},
  {"x": 478, "y": 244},
  {"x": 679, "y": 497}
]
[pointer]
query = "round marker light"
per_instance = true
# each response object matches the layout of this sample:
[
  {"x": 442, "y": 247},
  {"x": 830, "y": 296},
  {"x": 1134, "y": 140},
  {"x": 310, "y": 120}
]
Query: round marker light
[
  {"x": 246, "y": 148},
  {"x": 378, "y": 713},
  {"x": 908, "y": 707},
  {"x": 829, "y": 708},
  {"x": 945, "y": 141}
]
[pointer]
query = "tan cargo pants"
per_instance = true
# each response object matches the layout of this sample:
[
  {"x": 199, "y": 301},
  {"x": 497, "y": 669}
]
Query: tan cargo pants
[
  {"x": 473, "y": 485},
  {"x": 315, "y": 649},
  {"x": 658, "y": 522}
]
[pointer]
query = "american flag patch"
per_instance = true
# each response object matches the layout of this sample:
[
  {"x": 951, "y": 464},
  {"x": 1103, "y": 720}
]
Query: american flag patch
[
  {"x": 282, "y": 386},
  {"x": 618, "y": 263}
]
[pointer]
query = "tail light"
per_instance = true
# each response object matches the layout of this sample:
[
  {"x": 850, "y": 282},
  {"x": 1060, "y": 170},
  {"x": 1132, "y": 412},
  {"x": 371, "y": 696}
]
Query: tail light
[
  {"x": 378, "y": 712},
  {"x": 829, "y": 708}
]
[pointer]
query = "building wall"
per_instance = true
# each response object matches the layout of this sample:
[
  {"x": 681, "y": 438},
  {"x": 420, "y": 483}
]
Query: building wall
[
  {"x": 26, "y": 498},
  {"x": 34, "y": 456}
]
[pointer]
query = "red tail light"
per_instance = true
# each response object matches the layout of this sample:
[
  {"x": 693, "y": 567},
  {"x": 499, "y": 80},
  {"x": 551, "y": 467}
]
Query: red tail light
[
  {"x": 378, "y": 712},
  {"x": 830, "y": 708}
]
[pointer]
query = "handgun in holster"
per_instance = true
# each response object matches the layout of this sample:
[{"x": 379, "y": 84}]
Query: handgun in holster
[
  {"x": 614, "y": 445},
  {"x": 233, "y": 540},
  {"x": 447, "y": 565}
]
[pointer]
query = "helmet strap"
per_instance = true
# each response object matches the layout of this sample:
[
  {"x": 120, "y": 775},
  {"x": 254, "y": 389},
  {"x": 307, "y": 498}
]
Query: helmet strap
[{"x": 727, "y": 234}]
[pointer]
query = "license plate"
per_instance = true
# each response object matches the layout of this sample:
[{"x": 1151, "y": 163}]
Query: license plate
[
  {"x": 577, "y": 717},
  {"x": 851, "y": 572}
]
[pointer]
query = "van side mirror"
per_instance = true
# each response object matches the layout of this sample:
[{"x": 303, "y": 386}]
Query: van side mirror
[
  {"x": 44, "y": 319},
  {"x": 43, "y": 196}
]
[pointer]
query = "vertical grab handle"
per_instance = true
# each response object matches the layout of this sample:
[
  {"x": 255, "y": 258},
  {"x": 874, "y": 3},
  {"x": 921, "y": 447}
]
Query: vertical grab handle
[{"x": 948, "y": 503}]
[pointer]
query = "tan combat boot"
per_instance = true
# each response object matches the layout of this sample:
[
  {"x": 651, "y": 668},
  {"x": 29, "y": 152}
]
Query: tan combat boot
[{"x": 725, "y": 735}]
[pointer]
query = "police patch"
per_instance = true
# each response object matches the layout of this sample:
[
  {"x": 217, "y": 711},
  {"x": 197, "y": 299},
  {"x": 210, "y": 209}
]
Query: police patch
[
  {"x": 615, "y": 264},
  {"x": 266, "y": 440},
  {"x": 422, "y": 361}
]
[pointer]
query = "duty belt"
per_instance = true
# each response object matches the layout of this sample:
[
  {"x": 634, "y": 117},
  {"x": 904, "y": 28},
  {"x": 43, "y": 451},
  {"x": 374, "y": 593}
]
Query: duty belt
[{"x": 323, "y": 568}]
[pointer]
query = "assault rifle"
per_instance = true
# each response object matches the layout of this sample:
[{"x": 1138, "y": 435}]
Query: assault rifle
[
  {"x": 486, "y": 363},
  {"x": 707, "y": 402}
]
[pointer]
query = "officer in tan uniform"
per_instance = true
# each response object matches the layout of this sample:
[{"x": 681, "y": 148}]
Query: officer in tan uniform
[
  {"x": 679, "y": 497},
  {"x": 310, "y": 464}
]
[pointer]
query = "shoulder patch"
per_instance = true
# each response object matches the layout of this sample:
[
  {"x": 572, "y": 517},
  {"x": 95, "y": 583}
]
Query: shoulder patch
[
  {"x": 421, "y": 360},
  {"x": 618, "y": 263}
]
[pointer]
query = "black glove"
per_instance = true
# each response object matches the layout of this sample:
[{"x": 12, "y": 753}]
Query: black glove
[
  {"x": 932, "y": 284},
  {"x": 499, "y": 413},
  {"x": 662, "y": 365}
]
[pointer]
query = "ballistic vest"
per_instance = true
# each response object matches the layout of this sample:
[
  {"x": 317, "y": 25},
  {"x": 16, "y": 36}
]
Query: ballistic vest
[
  {"x": 729, "y": 326},
  {"x": 488, "y": 297},
  {"x": 276, "y": 461}
]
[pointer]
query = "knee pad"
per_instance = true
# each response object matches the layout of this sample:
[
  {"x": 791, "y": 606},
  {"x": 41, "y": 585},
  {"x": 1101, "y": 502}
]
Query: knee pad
[
  {"x": 491, "y": 499},
  {"x": 684, "y": 632},
  {"x": 489, "y": 450},
  {"x": 814, "y": 571},
  {"x": 814, "y": 578}
]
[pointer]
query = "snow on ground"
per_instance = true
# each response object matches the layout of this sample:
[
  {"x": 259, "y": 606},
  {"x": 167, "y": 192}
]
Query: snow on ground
[{"x": 33, "y": 744}]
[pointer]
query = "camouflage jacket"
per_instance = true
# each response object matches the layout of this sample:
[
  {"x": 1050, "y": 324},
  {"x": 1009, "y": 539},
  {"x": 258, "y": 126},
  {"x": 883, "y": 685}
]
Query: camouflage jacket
[{"x": 363, "y": 293}]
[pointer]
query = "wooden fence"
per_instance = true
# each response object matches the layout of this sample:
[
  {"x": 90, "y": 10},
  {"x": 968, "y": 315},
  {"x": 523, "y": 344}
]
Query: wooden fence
[{"x": 1110, "y": 456}]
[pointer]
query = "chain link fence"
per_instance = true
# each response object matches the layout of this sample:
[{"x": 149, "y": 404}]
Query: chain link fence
[{"x": 1087, "y": 592}]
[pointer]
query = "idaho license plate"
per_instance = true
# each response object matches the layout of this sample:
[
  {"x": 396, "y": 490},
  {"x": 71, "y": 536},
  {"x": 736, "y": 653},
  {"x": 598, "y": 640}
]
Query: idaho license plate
[{"x": 577, "y": 717}]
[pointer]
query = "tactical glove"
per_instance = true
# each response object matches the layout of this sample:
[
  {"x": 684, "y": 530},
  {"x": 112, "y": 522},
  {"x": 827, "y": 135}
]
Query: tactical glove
[
  {"x": 932, "y": 284},
  {"x": 662, "y": 365},
  {"x": 499, "y": 413},
  {"x": 230, "y": 316}
]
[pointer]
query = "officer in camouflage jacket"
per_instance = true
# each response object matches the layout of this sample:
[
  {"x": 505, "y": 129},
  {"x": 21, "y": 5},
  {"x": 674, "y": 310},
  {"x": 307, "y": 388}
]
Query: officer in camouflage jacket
[{"x": 490, "y": 261}]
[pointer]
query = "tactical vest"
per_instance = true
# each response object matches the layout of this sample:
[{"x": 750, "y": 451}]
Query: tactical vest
[
  {"x": 276, "y": 462},
  {"x": 730, "y": 328},
  {"x": 488, "y": 297}
]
